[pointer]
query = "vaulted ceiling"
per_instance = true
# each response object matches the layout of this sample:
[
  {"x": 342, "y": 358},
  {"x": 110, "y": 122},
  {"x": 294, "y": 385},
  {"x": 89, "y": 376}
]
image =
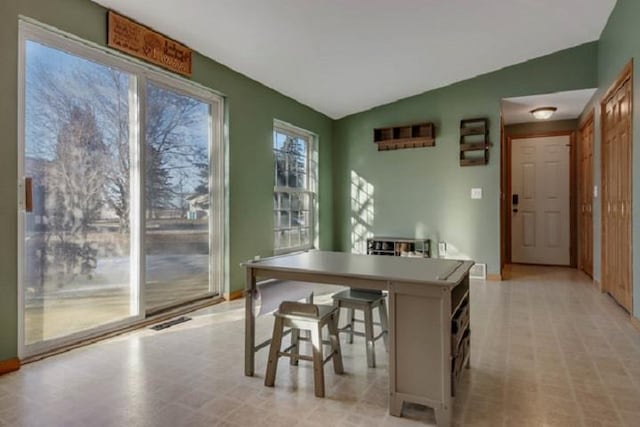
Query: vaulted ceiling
[{"x": 341, "y": 57}]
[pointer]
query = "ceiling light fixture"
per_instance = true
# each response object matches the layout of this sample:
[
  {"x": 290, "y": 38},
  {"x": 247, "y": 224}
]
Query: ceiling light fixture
[{"x": 543, "y": 113}]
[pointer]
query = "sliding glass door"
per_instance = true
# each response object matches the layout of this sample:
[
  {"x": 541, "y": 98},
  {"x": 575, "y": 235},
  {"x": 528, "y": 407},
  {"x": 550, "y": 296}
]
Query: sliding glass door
[
  {"x": 77, "y": 234},
  {"x": 177, "y": 197},
  {"x": 121, "y": 186}
]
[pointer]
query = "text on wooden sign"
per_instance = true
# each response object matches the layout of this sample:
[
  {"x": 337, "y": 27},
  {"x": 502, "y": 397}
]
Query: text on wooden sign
[{"x": 139, "y": 41}]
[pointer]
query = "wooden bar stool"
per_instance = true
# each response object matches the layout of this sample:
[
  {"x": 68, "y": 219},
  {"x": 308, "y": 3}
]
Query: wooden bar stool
[
  {"x": 310, "y": 317},
  {"x": 365, "y": 300}
]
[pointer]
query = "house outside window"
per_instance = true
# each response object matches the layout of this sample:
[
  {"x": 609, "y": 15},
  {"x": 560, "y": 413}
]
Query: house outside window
[{"x": 294, "y": 194}]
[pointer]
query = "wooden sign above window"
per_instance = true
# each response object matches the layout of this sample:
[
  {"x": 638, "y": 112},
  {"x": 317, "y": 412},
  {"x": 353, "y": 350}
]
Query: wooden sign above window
[{"x": 139, "y": 41}]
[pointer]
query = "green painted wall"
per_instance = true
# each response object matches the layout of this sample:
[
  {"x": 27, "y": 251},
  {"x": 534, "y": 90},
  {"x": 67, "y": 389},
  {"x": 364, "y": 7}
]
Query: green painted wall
[
  {"x": 8, "y": 172},
  {"x": 619, "y": 43},
  {"x": 424, "y": 192},
  {"x": 251, "y": 109}
]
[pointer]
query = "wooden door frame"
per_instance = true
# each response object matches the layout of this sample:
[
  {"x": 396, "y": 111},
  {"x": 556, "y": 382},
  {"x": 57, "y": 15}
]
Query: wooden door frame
[
  {"x": 503, "y": 200},
  {"x": 589, "y": 118},
  {"x": 625, "y": 75},
  {"x": 505, "y": 216}
]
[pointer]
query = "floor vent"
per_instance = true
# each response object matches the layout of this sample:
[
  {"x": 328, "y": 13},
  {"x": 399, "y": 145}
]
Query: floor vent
[
  {"x": 170, "y": 323},
  {"x": 478, "y": 271}
]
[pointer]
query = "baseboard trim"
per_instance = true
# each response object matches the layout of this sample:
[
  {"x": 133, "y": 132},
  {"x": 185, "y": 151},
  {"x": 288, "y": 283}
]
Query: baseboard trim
[
  {"x": 494, "y": 277},
  {"x": 230, "y": 296},
  {"x": 598, "y": 285},
  {"x": 9, "y": 365}
]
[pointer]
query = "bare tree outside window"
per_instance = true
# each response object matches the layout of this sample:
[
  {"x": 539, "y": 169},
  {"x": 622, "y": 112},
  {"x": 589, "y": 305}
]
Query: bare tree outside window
[
  {"x": 176, "y": 196},
  {"x": 77, "y": 243}
]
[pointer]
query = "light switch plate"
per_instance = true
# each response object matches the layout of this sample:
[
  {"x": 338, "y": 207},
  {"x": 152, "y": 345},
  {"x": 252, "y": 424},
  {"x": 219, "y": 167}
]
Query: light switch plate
[
  {"x": 595, "y": 191},
  {"x": 476, "y": 193}
]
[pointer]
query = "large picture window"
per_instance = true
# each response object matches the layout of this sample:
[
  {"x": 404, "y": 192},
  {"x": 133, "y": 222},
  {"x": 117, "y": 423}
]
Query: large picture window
[
  {"x": 122, "y": 169},
  {"x": 294, "y": 195}
]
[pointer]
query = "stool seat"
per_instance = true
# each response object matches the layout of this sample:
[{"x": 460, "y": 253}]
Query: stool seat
[
  {"x": 358, "y": 295},
  {"x": 294, "y": 308},
  {"x": 365, "y": 300},
  {"x": 309, "y": 317}
]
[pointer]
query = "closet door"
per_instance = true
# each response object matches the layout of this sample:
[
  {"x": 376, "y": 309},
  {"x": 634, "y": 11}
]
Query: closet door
[
  {"x": 585, "y": 207},
  {"x": 608, "y": 258},
  {"x": 616, "y": 193},
  {"x": 624, "y": 201}
]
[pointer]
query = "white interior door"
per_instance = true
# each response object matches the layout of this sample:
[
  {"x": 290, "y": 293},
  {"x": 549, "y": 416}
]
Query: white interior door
[{"x": 540, "y": 217}]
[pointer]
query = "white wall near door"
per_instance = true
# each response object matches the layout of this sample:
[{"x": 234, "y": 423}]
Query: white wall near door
[{"x": 540, "y": 221}]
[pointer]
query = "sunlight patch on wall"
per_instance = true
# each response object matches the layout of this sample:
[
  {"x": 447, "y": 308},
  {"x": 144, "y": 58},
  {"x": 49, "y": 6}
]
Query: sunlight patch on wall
[
  {"x": 362, "y": 213},
  {"x": 454, "y": 253}
]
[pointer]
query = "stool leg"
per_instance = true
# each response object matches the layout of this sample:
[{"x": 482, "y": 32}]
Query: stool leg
[
  {"x": 336, "y": 303},
  {"x": 384, "y": 322},
  {"x": 309, "y": 300},
  {"x": 318, "y": 366},
  {"x": 276, "y": 342},
  {"x": 335, "y": 344},
  {"x": 295, "y": 351},
  {"x": 351, "y": 315},
  {"x": 368, "y": 333}
]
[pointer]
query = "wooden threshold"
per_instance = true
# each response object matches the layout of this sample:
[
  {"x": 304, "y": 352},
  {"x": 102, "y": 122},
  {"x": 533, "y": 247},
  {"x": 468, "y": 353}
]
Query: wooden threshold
[{"x": 543, "y": 265}]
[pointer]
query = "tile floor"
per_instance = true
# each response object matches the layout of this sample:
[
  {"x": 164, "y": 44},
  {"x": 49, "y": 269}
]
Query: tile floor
[{"x": 548, "y": 349}]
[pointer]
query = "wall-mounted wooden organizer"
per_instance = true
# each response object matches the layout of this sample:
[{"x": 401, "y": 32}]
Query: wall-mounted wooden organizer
[
  {"x": 398, "y": 246},
  {"x": 474, "y": 142},
  {"x": 410, "y": 136}
]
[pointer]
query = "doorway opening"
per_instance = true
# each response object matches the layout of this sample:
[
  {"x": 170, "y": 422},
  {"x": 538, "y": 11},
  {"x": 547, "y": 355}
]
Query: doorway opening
[{"x": 539, "y": 197}]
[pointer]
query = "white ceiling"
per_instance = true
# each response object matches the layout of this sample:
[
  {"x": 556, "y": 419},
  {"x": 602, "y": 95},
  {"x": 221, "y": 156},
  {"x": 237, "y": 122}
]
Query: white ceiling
[
  {"x": 570, "y": 105},
  {"x": 341, "y": 57}
]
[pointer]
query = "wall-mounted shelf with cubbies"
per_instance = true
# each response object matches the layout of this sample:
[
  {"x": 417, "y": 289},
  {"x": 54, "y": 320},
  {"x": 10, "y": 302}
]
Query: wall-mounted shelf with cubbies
[
  {"x": 474, "y": 142},
  {"x": 409, "y": 136},
  {"x": 397, "y": 246}
]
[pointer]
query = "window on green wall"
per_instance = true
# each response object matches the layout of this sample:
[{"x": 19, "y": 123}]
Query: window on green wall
[{"x": 294, "y": 193}]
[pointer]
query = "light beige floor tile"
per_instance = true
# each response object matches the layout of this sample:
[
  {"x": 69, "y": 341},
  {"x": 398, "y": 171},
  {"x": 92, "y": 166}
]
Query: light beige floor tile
[{"x": 547, "y": 350}]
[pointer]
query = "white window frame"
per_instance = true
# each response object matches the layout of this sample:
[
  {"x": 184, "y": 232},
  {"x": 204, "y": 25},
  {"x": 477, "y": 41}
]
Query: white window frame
[
  {"x": 31, "y": 30},
  {"x": 311, "y": 169}
]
